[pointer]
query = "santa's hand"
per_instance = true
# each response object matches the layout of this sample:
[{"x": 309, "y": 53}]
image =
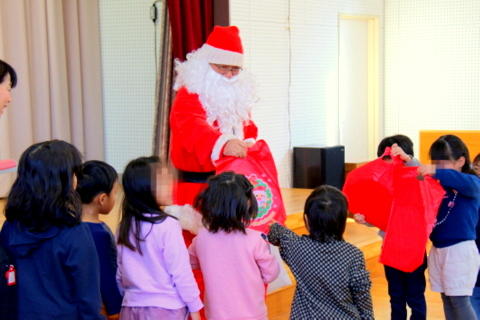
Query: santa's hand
[
  {"x": 236, "y": 148},
  {"x": 189, "y": 218},
  {"x": 359, "y": 218}
]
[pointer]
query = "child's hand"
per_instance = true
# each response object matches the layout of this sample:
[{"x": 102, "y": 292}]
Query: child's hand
[
  {"x": 359, "y": 218},
  {"x": 426, "y": 170},
  {"x": 397, "y": 151},
  {"x": 195, "y": 315},
  {"x": 271, "y": 222},
  {"x": 113, "y": 316}
]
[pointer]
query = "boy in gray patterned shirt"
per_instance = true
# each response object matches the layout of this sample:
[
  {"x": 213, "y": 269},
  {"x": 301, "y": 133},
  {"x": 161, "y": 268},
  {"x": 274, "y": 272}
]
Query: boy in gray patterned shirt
[{"x": 332, "y": 282}]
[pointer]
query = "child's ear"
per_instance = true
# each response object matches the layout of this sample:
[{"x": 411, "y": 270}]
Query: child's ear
[
  {"x": 101, "y": 198},
  {"x": 305, "y": 221},
  {"x": 460, "y": 162}
]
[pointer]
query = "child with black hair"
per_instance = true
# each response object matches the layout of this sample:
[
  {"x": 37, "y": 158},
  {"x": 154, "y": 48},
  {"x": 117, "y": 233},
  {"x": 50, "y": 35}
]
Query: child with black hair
[
  {"x": 476, "y": 164},
  {"x": 57, "y": 264},
  {"x": 98, "y": 188},
  {"x": 332, "y": 282},
  {"x": 153, "y": 264},
  {"x": 476, "y": 291},
  {"x": 475, "y": 299},
  {"x": 404, "y": 288},
  {"x": 235, "y": 261},
  {"x": 454, "y": 260}
]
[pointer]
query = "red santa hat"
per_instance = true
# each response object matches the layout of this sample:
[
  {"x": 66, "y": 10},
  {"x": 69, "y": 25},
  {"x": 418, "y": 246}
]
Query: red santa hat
[{"x": 224, "y": 46}]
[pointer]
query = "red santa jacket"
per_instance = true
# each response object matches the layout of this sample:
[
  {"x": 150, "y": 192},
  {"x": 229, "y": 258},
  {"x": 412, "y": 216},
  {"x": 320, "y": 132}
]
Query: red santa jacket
[{"x": 192, "y": 139}]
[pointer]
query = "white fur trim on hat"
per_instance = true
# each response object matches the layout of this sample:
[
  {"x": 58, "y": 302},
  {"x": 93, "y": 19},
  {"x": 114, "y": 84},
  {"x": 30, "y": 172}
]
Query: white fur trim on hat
[{"x": 220, "y": 56}]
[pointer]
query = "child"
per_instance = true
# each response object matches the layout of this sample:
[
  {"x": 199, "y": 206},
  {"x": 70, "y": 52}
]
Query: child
[
  {"x": 98, "y": 188},
  {"x": 236, "y": 262},
  {"x": 454, "y": 260},
  {"x": 153, "y": 264},
  {"x": 332, "y": 282},
  {"x": 8, "y": 80},
  {"x": 404, "y": 288},
  {"x": 476, "y": 291},
  {"x": 57, "y": 265},
  {"x": 476, "y": 165}
]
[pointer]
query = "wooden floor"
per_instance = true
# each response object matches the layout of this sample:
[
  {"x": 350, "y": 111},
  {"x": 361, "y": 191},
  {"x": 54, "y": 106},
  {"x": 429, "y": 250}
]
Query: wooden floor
[{"x": 363, "y": 237}]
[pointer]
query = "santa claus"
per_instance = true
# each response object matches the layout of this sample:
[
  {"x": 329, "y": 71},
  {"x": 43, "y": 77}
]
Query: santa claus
[{"x": 211, "y": 114}]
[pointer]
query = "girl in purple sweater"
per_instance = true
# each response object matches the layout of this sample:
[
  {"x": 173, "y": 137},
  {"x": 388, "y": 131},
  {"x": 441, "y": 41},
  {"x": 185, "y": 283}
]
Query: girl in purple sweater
[{"x": 153, "y": 264}]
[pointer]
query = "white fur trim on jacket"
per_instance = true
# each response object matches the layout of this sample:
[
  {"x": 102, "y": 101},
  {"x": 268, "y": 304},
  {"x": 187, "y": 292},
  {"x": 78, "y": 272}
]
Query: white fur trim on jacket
[{"x": 250, "y": 140}]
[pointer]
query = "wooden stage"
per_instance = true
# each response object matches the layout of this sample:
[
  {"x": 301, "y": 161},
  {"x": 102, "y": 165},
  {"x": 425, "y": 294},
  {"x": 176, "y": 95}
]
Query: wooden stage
[{"x": 363, "y": 237}]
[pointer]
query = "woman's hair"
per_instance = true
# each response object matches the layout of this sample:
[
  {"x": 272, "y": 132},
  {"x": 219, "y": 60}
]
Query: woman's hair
[
  {"x": 450, "y": 147},
  {"x": 139, "y": 202},
  {"x": 97, "y": 177},
  {"x": 228, "y": 203},
  {"x": 42, "y": 194},
  {"x": 326, "y": 212},
  {"x": 403, "y": 142},
  {"x": 5, "y": 69}
]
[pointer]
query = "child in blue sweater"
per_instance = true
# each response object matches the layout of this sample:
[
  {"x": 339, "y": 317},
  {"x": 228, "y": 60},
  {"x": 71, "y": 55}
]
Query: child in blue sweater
[
  {"x": 476, "y": 291},
  {"x": 98, "y": 188},
  {"x": 57, "y": 266},
  {"x": 454, "y": 260}
]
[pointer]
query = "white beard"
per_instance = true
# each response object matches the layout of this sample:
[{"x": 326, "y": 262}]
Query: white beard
[{"x": 227, "y": 102}]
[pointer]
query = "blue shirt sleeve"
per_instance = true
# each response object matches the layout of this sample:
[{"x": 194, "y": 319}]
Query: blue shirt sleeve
[
  {"x": 466, "y": 184},
  {"x": 107, "y": 256},
  {"x": 85, "y": 275}
]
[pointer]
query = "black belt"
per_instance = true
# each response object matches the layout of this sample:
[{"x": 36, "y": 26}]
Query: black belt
[{"x": 195, "y": 177}]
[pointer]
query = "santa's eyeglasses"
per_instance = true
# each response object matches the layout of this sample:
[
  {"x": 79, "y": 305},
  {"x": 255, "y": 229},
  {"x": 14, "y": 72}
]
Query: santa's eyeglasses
[{"x": 225, "y": 69}]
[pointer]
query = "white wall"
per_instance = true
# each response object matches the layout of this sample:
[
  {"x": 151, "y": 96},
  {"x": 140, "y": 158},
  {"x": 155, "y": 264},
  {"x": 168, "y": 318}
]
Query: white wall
[
  {"x": 292, "y": 48},
  {"x": 127, "y": 41},
  {"x": 432, "y": 66}
]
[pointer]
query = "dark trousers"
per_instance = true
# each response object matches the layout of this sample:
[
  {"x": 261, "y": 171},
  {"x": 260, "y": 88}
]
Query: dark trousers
[{"x": 407, "y": 288}]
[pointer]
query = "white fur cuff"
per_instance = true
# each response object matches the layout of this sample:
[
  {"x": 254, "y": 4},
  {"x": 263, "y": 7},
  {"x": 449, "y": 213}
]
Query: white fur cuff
[{"x": 217, "y": 148}]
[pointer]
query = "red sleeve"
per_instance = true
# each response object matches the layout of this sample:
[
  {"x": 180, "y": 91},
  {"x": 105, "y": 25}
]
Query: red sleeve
[
  {"x": 192, "y": 138},
  {"x": 250, "y": 130}
]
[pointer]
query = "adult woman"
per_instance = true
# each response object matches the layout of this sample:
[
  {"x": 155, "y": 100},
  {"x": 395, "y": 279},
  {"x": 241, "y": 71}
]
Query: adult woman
[{"x": 8, "y": 80}]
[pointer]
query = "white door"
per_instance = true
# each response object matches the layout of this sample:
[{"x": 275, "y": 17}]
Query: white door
[{"x": 354, "y": 88}]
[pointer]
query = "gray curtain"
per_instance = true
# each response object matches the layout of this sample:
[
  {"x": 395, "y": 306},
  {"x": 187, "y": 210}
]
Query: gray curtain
[{"x": 54, "y": 45}]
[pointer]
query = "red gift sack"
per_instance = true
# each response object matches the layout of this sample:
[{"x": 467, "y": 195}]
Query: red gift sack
[
  {"x": 259, "y": 168},
  {"x": 369, "y": 190},
  {"x": 412, "y": 216}
]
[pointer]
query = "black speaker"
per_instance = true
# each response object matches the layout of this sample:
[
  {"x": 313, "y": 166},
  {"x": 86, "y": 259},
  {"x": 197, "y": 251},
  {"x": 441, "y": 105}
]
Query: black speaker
[{"x": 314, "y": 166}]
